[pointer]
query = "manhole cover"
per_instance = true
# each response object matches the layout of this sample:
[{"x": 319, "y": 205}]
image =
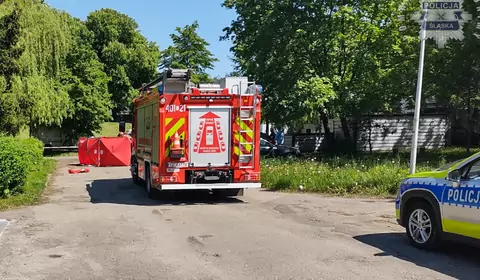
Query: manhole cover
[{"x": 3, "y": 225}]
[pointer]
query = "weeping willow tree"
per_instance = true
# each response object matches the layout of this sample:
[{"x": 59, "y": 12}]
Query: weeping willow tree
[
  {"x": 46, "y": 40},
  {"x": 9, "y": 54}
]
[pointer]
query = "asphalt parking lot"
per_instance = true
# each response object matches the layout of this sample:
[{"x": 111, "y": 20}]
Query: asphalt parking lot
[{"x": 99, "y": 225}]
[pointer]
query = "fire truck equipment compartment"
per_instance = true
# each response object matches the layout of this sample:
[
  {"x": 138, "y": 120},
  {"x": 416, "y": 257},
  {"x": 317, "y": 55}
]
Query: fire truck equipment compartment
[{"x": 104, "y": 151}]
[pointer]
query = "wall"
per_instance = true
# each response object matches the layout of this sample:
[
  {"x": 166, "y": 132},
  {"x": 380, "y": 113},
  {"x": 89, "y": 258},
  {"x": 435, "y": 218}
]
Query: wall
[
  {"x": 50, "y": 136},
  {"x": 383, "y": 133},
  {"x": 395, "y": 132}
]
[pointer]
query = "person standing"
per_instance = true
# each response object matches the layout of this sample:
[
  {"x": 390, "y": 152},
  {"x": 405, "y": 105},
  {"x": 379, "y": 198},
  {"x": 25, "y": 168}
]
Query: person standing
[{"x": 280, "y": 137}]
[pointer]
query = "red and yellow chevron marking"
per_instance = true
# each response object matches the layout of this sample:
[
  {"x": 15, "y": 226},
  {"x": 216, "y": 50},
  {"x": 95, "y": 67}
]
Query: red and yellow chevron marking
[
  {"x": 173, "y": 125},
  {"x": 242, "y": 137}
]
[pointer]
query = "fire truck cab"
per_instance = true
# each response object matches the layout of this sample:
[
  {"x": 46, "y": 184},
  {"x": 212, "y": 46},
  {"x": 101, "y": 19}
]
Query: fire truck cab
[{"x": 188, "y": 137}]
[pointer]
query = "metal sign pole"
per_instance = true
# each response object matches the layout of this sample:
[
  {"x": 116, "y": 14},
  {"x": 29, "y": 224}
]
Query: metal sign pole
[{"x": 418, "y": 95}]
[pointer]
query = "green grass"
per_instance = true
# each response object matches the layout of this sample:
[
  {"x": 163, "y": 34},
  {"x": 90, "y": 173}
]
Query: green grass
[
  {"x": 110, "y": 129},
  {"x": 364, "y": 174},
  {"x": 33, "y": 189}
]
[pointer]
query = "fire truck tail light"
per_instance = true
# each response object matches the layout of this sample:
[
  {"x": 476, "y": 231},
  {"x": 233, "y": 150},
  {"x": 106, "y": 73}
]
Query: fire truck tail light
[
  {"x": 168, "y": 179},
  {"x": 251, "y": 177},
  {"x": 163, "y": 100}
]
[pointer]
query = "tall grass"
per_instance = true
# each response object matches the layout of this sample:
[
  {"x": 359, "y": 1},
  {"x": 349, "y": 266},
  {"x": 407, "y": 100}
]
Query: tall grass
[{"x": 364, "y": 174}]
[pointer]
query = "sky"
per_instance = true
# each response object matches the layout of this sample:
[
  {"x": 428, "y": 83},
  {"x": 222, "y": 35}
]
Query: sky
[{"x": 157, "y": 19}]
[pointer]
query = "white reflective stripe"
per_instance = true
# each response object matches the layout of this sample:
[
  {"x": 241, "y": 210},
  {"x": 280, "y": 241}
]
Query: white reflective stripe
[
  {"x": 209, "y": 107},
  {"x": 211, "y": 186},
  {"x": 461, "y": 214}
]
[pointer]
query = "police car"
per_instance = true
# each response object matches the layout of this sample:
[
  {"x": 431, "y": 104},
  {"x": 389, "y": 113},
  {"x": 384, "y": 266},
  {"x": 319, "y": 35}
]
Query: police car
[{"x": 443, "y": 204}]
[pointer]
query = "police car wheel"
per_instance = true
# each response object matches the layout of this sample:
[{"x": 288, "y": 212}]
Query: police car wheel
[{"x": 422, "y": 227}]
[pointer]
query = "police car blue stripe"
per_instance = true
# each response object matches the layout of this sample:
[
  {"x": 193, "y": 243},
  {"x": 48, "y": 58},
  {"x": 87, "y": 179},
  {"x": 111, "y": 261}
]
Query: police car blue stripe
[{"x": 465, "y": 195}]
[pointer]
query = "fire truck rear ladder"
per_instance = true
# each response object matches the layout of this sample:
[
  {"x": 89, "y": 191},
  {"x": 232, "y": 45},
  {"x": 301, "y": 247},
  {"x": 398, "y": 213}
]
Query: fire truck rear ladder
[{"x": 253, "y": 109}]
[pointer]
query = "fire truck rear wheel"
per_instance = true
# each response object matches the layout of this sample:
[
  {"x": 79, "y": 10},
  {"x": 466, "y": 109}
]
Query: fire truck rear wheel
[
  {"x": 135, "y": 178},
  {"x": 148, "y": 186},
  {"x": 134, "y": 165}
]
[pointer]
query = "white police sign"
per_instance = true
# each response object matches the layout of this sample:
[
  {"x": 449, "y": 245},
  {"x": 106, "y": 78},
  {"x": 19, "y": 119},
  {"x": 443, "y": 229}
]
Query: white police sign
[{"x": 445, "y": 20}]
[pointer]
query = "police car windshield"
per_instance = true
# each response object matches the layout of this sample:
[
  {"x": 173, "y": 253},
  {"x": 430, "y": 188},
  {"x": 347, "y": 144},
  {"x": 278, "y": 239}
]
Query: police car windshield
[{"x": 448, "y": 165}]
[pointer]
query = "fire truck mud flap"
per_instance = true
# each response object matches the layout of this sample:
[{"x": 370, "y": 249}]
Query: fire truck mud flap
[{"x": 211, "y": 186}]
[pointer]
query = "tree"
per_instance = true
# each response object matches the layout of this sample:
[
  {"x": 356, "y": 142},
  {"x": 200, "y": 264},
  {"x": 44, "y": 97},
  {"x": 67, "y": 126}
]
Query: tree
[
  {"x": 349, "y": 44},
  {"x": 87, "y": 85},
  {"x": 189, "y": 50},
  {"x": 129, "y": 58},
  {"x": 9, "y": 54},
  {"x": 453, "y": 76},
  {"x": 33, "y": 94}
]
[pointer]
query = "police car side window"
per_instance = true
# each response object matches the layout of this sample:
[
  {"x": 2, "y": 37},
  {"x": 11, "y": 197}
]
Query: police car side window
[{"x": 474, "y": 171}]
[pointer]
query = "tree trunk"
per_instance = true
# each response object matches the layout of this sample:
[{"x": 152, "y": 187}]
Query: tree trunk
[
  {"x": 346, "y": 131},
  {"x": 470, "y": 127},
  {"x": 326, "y": 128},
  {"x": 328, "y": 132}
]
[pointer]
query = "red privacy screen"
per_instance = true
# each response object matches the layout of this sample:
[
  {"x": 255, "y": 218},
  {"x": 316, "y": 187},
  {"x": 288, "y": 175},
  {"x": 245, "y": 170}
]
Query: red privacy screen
[{"x": 104, "y": 151}]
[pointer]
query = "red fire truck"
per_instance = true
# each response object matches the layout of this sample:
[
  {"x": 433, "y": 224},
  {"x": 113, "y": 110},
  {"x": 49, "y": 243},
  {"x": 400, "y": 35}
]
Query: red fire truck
[{"x": 188, "y": 137}]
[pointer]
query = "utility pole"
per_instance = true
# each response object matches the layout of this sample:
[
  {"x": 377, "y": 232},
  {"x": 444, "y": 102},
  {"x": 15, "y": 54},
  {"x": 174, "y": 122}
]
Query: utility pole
[{"x": 418, "y": 95}]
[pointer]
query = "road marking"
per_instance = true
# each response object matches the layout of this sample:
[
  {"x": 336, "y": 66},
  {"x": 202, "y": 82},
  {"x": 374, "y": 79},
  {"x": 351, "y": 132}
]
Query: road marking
[{"x": 3, "y": 225}]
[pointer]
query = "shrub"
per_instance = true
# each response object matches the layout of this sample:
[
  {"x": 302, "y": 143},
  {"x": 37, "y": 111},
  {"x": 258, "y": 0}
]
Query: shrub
[
  {"x": 33, "y": 149},
  {"x": 17, "y": 159}
]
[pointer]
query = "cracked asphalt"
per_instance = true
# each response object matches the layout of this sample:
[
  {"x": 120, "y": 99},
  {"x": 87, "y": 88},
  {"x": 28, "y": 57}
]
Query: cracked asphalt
[{"x": 100, "y": 226}]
